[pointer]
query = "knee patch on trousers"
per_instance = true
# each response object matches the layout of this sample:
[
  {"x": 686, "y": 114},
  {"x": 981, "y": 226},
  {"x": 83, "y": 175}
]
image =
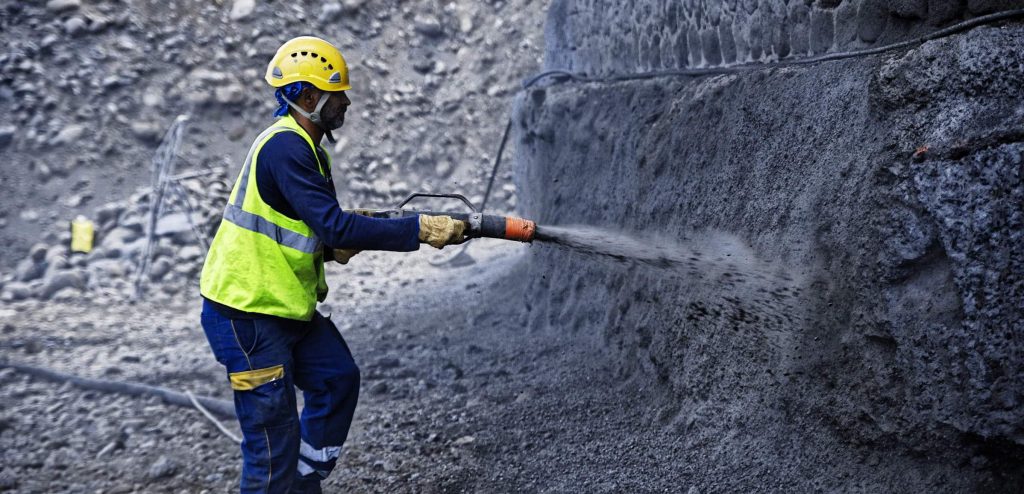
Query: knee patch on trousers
[{"x": 264, "y": 397}]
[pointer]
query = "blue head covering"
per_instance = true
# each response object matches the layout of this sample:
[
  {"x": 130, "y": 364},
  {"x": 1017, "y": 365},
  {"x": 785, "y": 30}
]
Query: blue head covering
[{"x": 290, "y": 91}]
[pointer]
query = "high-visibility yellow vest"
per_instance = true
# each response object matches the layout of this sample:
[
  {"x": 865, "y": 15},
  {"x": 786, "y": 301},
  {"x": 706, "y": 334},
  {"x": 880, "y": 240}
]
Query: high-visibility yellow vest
[{"x": 261, "y": 260}]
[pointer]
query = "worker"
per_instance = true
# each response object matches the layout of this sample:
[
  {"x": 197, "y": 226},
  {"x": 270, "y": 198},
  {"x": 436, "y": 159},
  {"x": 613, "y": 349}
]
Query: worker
[{"x": 264, "y": 275}]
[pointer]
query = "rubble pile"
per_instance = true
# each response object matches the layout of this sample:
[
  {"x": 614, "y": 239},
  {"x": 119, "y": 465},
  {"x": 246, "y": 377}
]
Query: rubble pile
[
  {"x": 108, "y": 272},
  {"x": 432, "y": 84}
]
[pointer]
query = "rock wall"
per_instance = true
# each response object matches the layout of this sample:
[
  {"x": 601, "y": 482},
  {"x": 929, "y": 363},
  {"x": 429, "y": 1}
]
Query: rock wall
[
  {"x": 598, "y": 37},
  {"x": 889, "y": 187}
]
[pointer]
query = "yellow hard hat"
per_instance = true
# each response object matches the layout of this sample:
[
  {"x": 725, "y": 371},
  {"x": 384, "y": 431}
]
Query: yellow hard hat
[{"x": 310, "y": 59}]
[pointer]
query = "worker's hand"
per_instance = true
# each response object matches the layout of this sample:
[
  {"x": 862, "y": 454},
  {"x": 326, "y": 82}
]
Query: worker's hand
[
  {"x": 343, "y": 255},
  {"x": 439, "y": 231}
]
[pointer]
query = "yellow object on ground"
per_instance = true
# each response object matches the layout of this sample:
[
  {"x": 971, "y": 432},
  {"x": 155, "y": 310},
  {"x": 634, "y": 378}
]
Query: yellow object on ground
[
  {"x": 308, "y": 59},
  {"x": 439, "y": 231},
  {"x": 82, "y": 231},
  {"x": 251, "y": 379}
]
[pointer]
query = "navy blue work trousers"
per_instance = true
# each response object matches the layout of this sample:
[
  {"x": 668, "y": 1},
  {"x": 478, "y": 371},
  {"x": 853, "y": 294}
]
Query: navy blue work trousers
[{"x": 265, "y": 358}]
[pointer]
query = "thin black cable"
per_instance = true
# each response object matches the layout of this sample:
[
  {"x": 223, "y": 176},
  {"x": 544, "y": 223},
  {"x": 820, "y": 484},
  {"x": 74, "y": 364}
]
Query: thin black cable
[
  {"x": 954, "y": 29},
  {"x": 497, "y": 161}
]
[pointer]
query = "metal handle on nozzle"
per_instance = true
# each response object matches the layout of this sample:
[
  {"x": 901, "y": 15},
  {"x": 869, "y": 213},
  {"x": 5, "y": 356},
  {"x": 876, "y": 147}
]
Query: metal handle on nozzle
[{"x": 443, "y": 196}]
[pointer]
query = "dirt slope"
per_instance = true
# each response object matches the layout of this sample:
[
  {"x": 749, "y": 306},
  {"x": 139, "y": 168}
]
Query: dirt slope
[{"x": 93, "y": 85}]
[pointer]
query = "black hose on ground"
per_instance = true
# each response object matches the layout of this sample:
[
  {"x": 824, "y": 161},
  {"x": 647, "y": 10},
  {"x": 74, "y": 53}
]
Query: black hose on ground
[{"x": 222, "y": 408}]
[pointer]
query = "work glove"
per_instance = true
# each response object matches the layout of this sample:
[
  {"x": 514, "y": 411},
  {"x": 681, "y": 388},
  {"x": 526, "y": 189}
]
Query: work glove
[
  {"x": 361, "y": 212},
  {"x": 343, "y": 255},
  {"x": 439, "y": 231}
]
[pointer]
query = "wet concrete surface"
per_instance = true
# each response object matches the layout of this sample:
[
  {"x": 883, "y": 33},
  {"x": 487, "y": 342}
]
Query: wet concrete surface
[{"x": 888, "y": 186}]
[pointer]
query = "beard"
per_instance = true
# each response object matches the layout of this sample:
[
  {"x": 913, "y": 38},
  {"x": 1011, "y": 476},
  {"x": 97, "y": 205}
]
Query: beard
[{"x": 334, "y": 120}]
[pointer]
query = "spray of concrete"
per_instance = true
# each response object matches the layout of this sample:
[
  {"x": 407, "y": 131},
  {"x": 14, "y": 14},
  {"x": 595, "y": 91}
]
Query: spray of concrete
[
  {"x": 706, "y": 257},
  {"x": 723, "y": 275}
]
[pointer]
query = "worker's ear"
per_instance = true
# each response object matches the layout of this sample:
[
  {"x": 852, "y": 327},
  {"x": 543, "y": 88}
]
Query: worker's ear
[{"x": 310, "y": 96}]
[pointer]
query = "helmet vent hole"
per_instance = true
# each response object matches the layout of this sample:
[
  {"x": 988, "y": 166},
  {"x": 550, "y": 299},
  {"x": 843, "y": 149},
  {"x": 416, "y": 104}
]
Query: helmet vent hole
[
  {"x": 323, "y": 60},
  {"x": 304, "y": 53},
  {"x": 330, "y": 67},
  {"x": 295, "y": 55},
  {"x": 314, "y": 55}
]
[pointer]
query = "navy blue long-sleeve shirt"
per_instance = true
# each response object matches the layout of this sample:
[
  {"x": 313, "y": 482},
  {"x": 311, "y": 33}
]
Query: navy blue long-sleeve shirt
[{"x": 290, "y": 182}]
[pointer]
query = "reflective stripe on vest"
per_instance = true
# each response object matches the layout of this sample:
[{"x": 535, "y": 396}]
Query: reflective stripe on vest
[
  {"x": 244, "y": 219},
  {"x": 234, "y": 213}
]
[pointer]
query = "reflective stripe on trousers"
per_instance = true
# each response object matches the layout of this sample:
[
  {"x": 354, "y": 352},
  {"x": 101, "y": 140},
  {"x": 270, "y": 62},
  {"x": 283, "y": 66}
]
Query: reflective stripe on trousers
[{"x": 317, "y": 460}]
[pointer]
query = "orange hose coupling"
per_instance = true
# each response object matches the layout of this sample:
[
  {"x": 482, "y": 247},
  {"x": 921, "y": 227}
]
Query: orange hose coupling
[{"x": 519, "y": 229}]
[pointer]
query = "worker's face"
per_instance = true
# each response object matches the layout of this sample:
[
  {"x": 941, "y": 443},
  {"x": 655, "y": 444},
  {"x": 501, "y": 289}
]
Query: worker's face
[{"x": 333, "y": 113}]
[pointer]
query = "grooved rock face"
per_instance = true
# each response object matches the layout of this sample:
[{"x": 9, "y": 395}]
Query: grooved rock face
[
  {"x": 989, "y": 6},
  {"x": 887, "y": 189},
  {"x": 599, "y": 37}
]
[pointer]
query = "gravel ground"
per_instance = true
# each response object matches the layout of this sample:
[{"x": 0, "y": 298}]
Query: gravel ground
[
  {"x": 410, "y": 429},
  {"x": 458, "y": 395}
]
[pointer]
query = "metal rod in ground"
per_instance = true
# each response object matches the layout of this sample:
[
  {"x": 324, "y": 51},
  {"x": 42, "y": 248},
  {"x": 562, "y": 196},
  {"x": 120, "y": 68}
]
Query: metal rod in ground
[
  {"x": 182, "y": 194},
  {"x": 163, "y": 165}
]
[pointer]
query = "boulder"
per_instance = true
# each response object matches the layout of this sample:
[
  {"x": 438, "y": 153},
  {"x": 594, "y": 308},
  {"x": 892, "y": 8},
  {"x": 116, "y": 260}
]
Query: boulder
[
  {"x": 61, "y": 6},
  {"x": 74, "y": 26},
  {"x": 163, "y": 467},
  {"x": 147, "y": 132},
  {"x": 176, "y": 226},
  {"x": 241, "y": 9},
  {"x": 15, "y": 291},
  {"x": 120, "y": 236},
  {"x": 70, "y": 133},
  {"x": 56, "y": 281},
  {"x": 190, "y": 253},
  {"x": 38, "y": 252},
  {"x": 329, "y": 12},
  {"x": 159, "y": 268},
  {"x": 428, "y": 26},
  {"x": 6, "y": 135},
  {"x": 909, "y": 9},
  {"x": 28, "y": 270}
]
